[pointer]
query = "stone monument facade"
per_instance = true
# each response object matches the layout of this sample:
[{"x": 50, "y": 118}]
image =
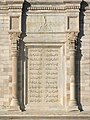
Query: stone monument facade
[{"x": 44, "y": 59}]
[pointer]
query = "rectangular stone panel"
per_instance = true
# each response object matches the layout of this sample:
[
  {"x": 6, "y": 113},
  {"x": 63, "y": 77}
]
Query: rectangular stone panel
[
  {"x": 14, "y": 23},
  {"x": 45, "y": 82},
  {"x": 45, "y": 23},
  {"x": 72, "y": 23}
]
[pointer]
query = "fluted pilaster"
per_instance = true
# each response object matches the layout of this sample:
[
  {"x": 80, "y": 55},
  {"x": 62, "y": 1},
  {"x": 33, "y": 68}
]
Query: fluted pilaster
[
  {"x": 14, "y": 37},
  {"x": 72, "y": 37}
]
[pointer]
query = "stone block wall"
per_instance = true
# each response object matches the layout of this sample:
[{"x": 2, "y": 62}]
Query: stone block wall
[
  {"x": 5, "y": 62},
  {"x": 82, "y": 73}
]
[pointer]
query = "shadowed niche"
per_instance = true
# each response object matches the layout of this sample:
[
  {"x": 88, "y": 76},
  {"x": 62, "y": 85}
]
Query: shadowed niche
[
  {"x": 22, "y": 57},
  {"x": 79, "y": 55},
  {"x": 25, "y": 8}
]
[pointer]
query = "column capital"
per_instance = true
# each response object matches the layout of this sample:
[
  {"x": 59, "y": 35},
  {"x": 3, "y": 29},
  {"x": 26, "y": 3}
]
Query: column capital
[
  {"x": 14, "y": 36},
  {"x": 72, "y": 38}
]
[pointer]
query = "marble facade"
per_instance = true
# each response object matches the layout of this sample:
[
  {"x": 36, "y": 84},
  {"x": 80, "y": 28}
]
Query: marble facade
[{"x": 44, "y": 57}]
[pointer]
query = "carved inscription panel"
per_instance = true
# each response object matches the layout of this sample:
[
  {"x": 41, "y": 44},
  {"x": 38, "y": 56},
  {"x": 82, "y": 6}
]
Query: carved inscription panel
[{"x": 45, "y": 77}]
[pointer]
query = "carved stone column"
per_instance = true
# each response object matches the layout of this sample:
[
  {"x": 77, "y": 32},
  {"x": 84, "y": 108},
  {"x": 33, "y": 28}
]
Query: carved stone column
[
  {"x": 14, "y": 37},
  {"x": 72, "y": 37}
]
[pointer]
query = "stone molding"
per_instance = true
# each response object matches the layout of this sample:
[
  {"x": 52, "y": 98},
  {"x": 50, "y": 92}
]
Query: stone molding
[
  {"x": 46, "y": 8},
  {"x": 39, "y": 6}
]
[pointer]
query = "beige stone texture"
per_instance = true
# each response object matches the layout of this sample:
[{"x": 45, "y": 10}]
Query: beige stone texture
[{"x": 44, "y": 59}]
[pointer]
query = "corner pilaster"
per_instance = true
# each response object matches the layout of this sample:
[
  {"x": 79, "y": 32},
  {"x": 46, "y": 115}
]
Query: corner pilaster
[
  {"x": 72, "y": 37},
  {"x": 14, "y": 37}
]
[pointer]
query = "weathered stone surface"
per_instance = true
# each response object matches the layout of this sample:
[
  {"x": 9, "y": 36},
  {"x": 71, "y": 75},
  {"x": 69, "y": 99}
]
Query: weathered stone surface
[{"x": 44, "y": 59}]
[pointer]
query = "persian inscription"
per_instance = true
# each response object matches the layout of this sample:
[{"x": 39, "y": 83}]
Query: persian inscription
[
  {"x": 51, "y": 74},
  {"x": 35, "y": 74},
  {"x": 44, "y": 74}
]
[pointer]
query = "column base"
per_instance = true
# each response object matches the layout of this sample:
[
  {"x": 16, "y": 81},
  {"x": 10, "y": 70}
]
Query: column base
[
  {"x": 14, "y": 106},
  {"x": 73, "y": 106},
  {"x": 72, "y": 103}
]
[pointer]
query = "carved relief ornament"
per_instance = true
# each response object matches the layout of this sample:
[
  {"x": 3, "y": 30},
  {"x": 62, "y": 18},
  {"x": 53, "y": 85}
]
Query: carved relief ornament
[
  {"x": 72, "y": 37},
  {"x": 14, "y": 36}
]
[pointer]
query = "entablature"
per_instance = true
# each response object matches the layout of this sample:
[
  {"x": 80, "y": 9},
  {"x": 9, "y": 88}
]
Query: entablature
[{"x": 40, "y": 5}]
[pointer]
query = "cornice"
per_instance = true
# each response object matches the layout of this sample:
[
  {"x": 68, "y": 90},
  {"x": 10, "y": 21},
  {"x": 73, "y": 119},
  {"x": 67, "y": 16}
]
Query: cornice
[
  {"x": 14, "y": 1},
  {"x": 46, "y": 7},
  {"x": 3, "y": 8},
  {"x": 3, "y": 5},
  {"x": 45, "y": 2},
  {"x": 40, "y": 6}
]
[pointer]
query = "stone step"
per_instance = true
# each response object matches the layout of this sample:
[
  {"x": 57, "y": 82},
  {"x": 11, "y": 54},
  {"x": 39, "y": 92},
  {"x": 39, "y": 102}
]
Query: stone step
[
  {"x": 40, "y": 115},
  {"x": 60, "y": 117}
]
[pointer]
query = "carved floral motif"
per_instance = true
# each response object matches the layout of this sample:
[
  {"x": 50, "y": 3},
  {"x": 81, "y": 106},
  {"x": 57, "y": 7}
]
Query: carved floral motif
[
  {"x": 14, "y": 36},
  {"x": 72, "y": 37}
]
